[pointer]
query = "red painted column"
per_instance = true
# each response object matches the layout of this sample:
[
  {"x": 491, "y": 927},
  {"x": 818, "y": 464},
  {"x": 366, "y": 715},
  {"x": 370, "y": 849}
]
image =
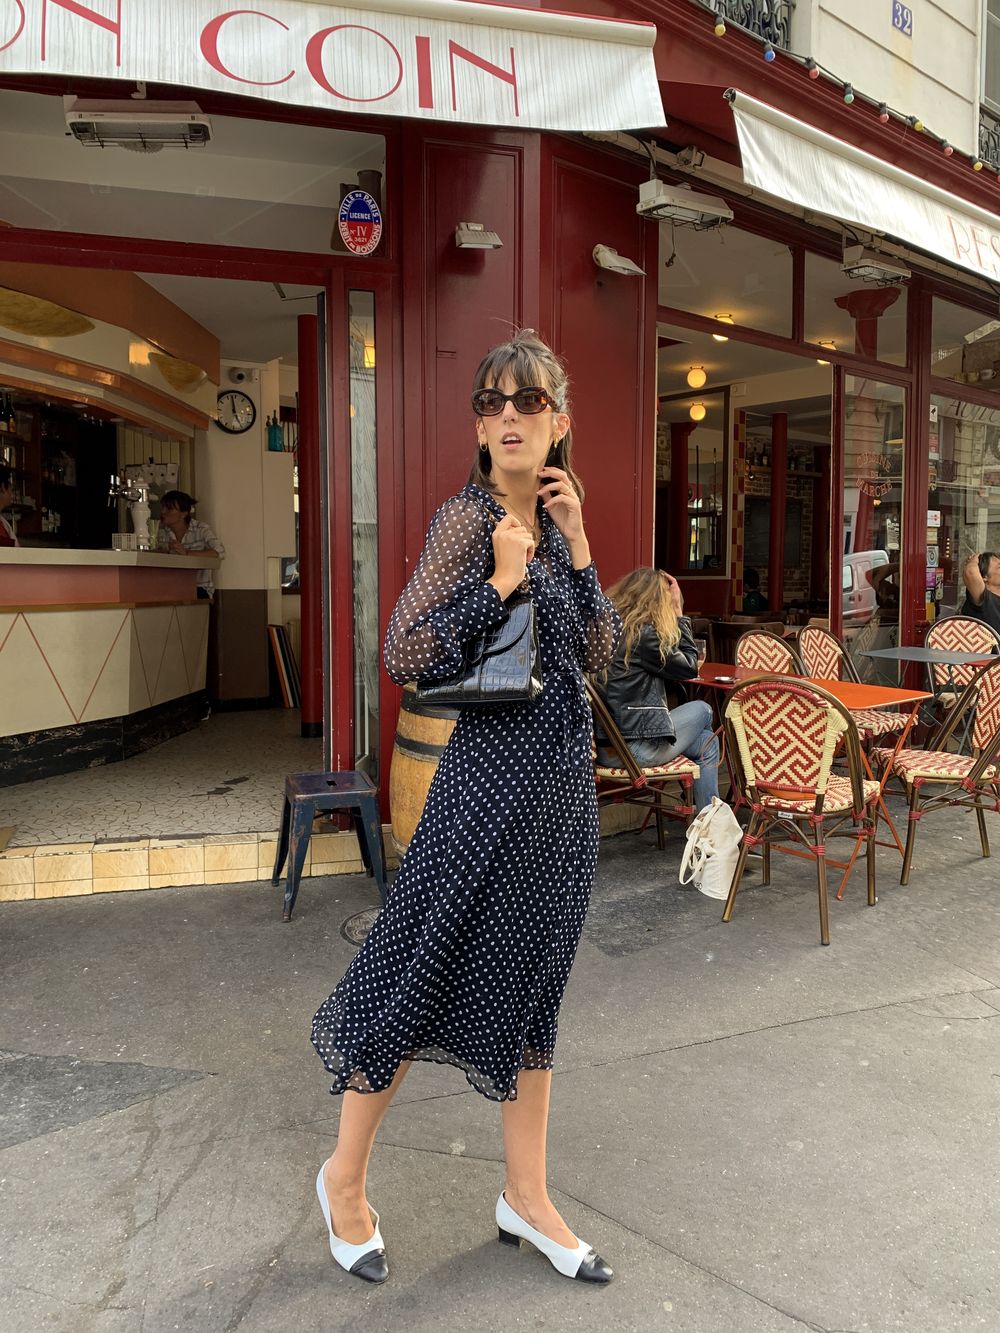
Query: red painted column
[
  {"x": 779, "y": 499},
  {"x": 310, "y": 532},
  {"x": 677, "y": 548}
]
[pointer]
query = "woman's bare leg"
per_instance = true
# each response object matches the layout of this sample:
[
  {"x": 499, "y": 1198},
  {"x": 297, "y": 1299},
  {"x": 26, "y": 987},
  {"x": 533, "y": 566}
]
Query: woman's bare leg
[
  {"x": 346, "y": 1172},
  {"x": 525, "y": 1127}
]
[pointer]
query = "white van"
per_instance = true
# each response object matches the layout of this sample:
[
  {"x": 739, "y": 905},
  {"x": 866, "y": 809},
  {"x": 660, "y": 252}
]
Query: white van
[{"x": 858, "y": 597}]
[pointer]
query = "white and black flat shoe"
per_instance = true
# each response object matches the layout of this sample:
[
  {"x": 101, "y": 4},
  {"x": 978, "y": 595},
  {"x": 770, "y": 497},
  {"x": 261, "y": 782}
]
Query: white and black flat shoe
[
  {"x": 582, "y": 1263},
  {"x": 367, "y": 1260}
]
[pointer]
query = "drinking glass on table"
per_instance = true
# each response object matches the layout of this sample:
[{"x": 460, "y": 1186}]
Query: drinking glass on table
[{"x": 701, "y": 646}]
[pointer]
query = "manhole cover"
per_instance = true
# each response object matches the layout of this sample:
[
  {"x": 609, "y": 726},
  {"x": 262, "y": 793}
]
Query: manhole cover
[{"x": 355, "y": 929}]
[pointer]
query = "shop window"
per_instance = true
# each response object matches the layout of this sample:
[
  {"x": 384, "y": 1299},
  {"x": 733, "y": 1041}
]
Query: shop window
[
  {"x": 874, "y": 426},
  {"x": 727, "y": 274},
  {"x": 963, "y": 496},
  {"x": 364, "y": 527},
  {"x": 691, "y": 534},
  {"x": 847, "y": 316},
  {"x": 965, "y": 345},
  {"x": 991, "y": 55}
]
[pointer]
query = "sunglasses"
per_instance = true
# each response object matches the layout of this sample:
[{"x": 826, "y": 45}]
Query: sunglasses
[{"x": 491, "y": 402}]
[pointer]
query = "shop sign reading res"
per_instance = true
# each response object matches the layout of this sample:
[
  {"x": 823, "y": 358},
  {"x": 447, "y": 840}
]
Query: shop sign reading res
[{"x": 440, "y": 61}]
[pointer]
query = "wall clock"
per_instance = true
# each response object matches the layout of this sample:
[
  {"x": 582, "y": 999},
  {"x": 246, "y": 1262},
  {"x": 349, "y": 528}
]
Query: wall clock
[{"x": 236, "y": 412}]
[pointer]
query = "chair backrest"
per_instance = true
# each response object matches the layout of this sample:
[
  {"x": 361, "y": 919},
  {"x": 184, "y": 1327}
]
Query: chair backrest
[
  {"x": 959, "y": 634},
  {"x": 613, "y": 739},
  {"x": 823, "y": 655},
  {"x": 785, "y": 734},
  {"x": 986, "y": 727},
  {"x": 760, "y": 650}
]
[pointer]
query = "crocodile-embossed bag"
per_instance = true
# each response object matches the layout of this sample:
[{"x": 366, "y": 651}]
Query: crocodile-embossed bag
[{"x": 502, "y": 666}]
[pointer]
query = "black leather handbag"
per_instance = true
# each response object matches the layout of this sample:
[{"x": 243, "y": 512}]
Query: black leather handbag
[{"x": 502, "y": 666}]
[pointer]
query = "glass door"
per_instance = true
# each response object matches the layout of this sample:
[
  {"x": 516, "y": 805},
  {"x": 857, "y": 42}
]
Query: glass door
[{"x": 363, "y": 414}]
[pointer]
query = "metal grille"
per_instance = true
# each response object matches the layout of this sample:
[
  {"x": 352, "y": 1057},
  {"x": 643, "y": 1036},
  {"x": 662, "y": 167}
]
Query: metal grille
[
  {"x": 770, "y": 19},
  {"x": 989, "y": 137}
]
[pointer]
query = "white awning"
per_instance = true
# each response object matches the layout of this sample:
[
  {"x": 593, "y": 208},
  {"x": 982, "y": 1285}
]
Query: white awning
[
  {"x": 797, "y": 162},
  {"x": 451, "y": 60}
]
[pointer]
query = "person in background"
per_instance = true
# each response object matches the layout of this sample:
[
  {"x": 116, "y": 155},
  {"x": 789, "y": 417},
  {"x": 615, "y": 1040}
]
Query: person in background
[
  {"x": 754, "y": 601},
  {"x": 7, "y": 537},
  {"x": 180, "y": 534},
  {"x": 981, "y": 575},
  {"x": 657, "y": 646}
]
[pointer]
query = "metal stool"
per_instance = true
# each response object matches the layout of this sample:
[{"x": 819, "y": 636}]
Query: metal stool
[{"x": 308, "y": 793}]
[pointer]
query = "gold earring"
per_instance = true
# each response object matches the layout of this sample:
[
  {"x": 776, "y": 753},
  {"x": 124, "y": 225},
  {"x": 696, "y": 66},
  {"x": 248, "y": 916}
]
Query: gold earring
[{"x": 484, "y": 447}]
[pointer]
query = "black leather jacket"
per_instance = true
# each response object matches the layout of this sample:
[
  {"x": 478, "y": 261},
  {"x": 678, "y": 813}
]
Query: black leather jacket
[{"x": 636, "y": 694}]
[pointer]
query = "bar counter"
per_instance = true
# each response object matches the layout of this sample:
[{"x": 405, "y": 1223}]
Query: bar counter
[{"x": 102, "y": 654}]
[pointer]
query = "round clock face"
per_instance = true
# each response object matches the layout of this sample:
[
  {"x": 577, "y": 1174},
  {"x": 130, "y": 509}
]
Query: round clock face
[{"x": 236, "y": 412}]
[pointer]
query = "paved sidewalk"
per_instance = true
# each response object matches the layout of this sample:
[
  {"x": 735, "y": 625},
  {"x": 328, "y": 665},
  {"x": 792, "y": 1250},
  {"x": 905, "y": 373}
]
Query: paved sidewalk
[{"x": 761, "y": 1135}]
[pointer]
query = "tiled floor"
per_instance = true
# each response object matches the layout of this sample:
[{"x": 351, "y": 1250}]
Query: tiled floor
[{"x": 225, "y": 777}]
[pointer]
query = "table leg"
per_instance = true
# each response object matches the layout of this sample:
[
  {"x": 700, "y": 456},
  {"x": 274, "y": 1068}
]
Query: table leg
[{"x": 880, "y": 799}]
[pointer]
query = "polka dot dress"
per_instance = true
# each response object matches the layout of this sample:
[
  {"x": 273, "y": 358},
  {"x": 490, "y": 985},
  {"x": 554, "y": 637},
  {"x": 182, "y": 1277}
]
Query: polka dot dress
[{"x": 467, "y": 962}]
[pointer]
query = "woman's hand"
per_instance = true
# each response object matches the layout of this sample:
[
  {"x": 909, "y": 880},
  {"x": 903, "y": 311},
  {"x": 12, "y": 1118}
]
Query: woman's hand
[
  {"x": 513, "y": 547},
  {"x": 563, "y": 503},
  {"x": 176, "y": 548},
  {"x": 676, "y": 596}
]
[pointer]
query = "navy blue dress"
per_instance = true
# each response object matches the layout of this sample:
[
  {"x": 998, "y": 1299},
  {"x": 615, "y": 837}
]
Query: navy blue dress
[{"x": 467, "y": 962}]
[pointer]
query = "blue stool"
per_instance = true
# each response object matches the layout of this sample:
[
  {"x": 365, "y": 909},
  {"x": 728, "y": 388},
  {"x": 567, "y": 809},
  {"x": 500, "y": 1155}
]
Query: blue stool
[{"x": 308, "y": 793}]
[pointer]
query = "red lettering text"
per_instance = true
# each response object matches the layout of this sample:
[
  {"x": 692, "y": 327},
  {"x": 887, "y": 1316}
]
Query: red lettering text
[
  {"x": 425, "y": 83},
  {"x": 498, "y": 73},
  {"x": 960, "y": 248},
  {"x": 978, "y": 240},
  {"x": 210, "y": 46},
  {"x": 74, "y": 7},
  {"x": 314, "y": 60},
  {"x": 20, "y": 28}
]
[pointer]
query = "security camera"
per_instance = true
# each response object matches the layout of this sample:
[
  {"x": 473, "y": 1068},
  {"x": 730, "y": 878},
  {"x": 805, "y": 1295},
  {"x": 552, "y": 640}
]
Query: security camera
[{"x": 238, "y": 375}]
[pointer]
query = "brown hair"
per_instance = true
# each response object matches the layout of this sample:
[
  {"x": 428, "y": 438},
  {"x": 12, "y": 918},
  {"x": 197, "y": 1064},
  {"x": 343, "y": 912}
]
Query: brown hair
[
  {"x": 643, "y": 598},
  {"x": 530, "y": 363}
]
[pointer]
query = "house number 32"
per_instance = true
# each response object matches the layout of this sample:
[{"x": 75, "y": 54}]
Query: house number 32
[{"x": 902, "y": 18}]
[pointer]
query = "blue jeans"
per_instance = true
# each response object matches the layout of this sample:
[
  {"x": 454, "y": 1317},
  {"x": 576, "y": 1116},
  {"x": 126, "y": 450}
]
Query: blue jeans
[{"x": 695, "y": 740}]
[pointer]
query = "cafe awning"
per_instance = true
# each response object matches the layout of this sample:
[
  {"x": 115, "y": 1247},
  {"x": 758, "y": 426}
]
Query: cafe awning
[
  {"x": 450, "y": 60},
  {"x": 805, "y": 166}
]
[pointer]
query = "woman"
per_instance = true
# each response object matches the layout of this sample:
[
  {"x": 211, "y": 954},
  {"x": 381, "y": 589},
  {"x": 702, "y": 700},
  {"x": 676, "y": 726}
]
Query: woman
[
  {"x": 657, "y": 646},
  {"x": 180, "y": 534},
  {"x": 467, "y": 962}
]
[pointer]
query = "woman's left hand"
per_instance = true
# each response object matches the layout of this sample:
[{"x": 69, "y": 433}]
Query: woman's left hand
[{"x": 562, "y": 502}]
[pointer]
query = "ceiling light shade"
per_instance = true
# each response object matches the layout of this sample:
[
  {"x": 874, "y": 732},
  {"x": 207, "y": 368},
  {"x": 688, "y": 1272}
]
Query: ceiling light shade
[
  {"x": 606, "y": 256},
  {"x": 697, "y": 411},
  {"x": 723, "y": 319},
  {"x": 696, "y": 377},
  {"x": 830, "y": 345},
  {"x": 476, "y": 236}
]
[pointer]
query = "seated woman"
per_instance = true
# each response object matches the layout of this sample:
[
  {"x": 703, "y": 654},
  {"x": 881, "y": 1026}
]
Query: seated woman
[{"x": 656, "y": 646}]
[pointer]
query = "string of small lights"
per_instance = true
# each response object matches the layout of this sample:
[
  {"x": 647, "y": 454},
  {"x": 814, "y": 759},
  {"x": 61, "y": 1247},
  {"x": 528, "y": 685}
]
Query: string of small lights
[{"x": 815, "y": 70}]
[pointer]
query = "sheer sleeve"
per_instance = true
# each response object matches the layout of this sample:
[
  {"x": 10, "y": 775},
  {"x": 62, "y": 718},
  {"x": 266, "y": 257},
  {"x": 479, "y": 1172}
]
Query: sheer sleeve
[
  {"x": 601, "y": 622},
  {"x": 447, "y": 601}
]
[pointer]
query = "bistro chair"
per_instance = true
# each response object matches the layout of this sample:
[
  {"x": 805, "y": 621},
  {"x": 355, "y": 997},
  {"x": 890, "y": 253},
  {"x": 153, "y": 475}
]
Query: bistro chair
[
  {"x": 762, "y": 650},
  {"x": 956, "y": 779},
  {"x": 960, "y": 634},
  {"x": 825, "y": 657},
  {"x": 782, "y": 737},
  {"x": 628, "y": 783}
]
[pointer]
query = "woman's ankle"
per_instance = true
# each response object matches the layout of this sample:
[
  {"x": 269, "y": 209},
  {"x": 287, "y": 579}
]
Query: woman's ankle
[{"x": 345, "y": 1181}]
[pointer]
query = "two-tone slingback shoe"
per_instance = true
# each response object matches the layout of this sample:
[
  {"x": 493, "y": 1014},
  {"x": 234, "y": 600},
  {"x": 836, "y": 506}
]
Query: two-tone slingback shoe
[
  {"x": 367, "y": 1260},
  {"x": 581, "y": 1262}
]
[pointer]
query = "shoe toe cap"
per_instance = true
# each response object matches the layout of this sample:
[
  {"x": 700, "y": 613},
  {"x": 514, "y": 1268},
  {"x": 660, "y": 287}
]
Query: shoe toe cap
[
  {"x": 372, "y": 1267},
  {"x": 594, "y": 1269}
]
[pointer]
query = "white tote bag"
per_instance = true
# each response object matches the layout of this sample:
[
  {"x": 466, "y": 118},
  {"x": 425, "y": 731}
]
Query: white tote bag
[{"x": 713, "y": 848}]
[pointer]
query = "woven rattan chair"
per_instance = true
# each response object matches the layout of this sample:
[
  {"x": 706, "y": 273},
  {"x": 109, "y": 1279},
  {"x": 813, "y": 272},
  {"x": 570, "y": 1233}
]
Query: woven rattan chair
[
  {"x": 825, "y": 657},
  {"x": 629, "y": 783},
  {"x": 958, "y": 779},
  {"x": 782, "y": 736},
  {"x": 962, "y": 634},
  {"x": 760, "y": 650}
]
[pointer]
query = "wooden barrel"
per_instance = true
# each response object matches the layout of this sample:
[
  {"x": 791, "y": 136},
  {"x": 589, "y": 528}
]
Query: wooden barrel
[{"x": 422, "y": 732}]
